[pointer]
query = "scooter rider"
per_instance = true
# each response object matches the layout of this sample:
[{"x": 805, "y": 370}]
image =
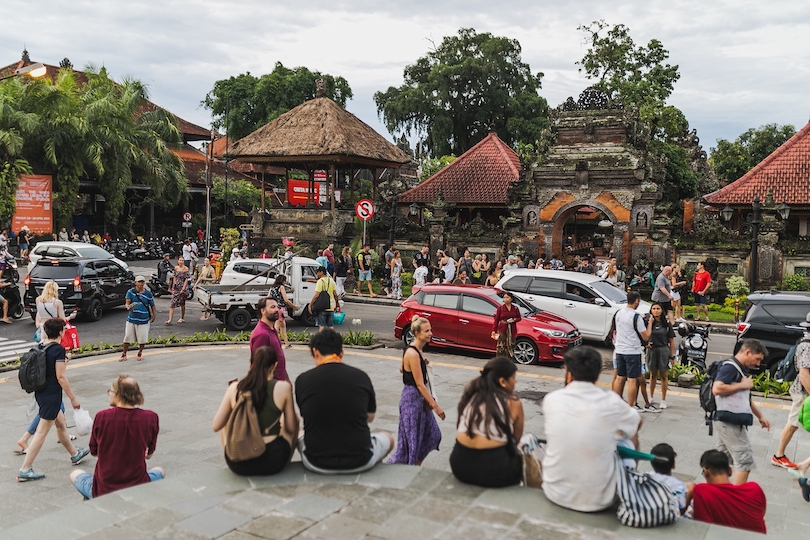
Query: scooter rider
[
  {"x": 4, "y": 302},
  {"x": 164, "y": 267}
]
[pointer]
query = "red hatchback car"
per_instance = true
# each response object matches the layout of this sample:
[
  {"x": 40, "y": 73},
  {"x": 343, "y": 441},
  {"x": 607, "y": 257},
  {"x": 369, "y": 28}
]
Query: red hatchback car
[{"x": 462, "y": 316}]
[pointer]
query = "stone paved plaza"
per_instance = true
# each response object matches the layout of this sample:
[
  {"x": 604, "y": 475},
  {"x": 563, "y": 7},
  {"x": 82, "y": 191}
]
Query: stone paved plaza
[{"x": 200, "y": 498}]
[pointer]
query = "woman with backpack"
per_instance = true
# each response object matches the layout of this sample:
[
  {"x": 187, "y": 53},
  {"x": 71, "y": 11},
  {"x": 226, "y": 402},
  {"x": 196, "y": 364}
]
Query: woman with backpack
[
  {"x": 272, "y": 403},
  {"x": 279, "y": 294},
  {"x": 49, "y": 400}
]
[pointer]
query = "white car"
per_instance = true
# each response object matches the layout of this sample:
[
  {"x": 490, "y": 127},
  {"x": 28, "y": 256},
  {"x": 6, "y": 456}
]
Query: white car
[
  {"x": 240, "y": 271},
  {"x": 61, "y": 250},
  {"x": 586, "y": 300}
]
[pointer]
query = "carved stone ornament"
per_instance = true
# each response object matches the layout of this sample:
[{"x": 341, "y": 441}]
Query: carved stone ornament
[{"x": 531, "y": 217}]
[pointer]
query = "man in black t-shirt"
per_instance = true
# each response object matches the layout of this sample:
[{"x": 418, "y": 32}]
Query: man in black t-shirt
[
  {"x": 422, "y": 258},
  {"x": 337, "y": 403}
]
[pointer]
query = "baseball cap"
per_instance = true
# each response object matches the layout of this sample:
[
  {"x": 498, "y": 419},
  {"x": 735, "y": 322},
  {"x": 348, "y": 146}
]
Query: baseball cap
[
  {"x": 806, "y": 323},
  {"x": 139, "y": 278}
]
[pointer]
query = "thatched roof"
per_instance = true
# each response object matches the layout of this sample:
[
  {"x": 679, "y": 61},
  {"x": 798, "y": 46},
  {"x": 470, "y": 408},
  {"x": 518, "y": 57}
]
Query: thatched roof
[{"x": 318, "y": 131}]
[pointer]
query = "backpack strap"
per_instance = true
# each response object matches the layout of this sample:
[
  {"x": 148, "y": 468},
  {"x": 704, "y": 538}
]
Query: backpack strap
[{"x": 736, "y": 366}]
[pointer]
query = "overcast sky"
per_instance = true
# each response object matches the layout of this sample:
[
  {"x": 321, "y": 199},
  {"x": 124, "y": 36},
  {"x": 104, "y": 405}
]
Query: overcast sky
[{"x": 742, "y": 63}]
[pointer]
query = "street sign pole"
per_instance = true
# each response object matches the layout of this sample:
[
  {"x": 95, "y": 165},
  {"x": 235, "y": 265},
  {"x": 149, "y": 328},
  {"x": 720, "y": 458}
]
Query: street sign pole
[{"x": 364, "y": 232}]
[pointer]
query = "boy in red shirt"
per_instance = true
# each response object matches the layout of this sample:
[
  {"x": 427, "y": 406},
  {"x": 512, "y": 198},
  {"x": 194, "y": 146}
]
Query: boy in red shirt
[
  {"x": 701, "y": 282},
  {"x": 720, "y": 502}
]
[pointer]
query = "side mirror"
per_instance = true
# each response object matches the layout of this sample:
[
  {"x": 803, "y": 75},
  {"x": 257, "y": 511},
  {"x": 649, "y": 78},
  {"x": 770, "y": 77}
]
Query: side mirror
[
  {"x": 599, "y": 301},
  {"x": 130, "y": 275}
]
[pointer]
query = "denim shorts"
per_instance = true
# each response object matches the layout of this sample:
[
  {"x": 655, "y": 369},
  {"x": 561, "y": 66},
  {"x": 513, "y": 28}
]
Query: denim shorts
[
  {"x": 84, "y": 482},
  {"x": 365, "y": 275},
  {"x": 628, "y": 365},
  {"x": 325, "y": 318},
  {"x": 700, "y": 299}
]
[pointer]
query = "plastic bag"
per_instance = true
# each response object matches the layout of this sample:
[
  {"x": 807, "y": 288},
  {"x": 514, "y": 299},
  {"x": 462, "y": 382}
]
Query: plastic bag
[{"x": 84, "y": 423}]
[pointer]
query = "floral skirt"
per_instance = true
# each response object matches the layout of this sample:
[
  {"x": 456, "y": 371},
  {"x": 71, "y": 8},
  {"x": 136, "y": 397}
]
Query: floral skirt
[{"x": 419, "y": 433}]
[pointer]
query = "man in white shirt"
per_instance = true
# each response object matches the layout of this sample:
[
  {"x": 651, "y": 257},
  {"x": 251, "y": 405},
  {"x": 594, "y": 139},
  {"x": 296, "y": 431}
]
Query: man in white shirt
[
  {"x": 630, "y": 331},
  {"x": 583, "y": 425}
]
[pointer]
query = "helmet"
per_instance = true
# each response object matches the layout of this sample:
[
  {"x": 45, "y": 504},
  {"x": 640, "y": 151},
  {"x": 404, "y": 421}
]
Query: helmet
[{"x": 684, "y": 329}]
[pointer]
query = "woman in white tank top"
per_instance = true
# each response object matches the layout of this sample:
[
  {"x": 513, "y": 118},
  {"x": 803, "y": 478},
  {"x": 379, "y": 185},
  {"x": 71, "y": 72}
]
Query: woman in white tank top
[{"x": 49, "y": 305}]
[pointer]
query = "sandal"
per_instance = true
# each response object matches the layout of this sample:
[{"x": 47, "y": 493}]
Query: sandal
[
  {"x": 180, "y": 321},
  {"x": 168, "y": 323},
  {"x": 288, "y": 346},
  {"x": 139, "y": 357},
  {"x": 22, "y": 450},
  {"x": 123, "y": 358}
]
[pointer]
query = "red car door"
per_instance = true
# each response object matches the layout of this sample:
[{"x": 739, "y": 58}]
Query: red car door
[
  {"x": 441, "y": 309},
  {"x": 475, "y": 323}
]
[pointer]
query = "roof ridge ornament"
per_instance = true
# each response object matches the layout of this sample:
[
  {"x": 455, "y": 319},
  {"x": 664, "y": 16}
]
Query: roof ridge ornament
[{"x": 320, "y": 88}]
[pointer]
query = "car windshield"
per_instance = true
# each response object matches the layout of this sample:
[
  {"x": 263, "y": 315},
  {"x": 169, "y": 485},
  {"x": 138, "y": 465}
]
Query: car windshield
[
  {"x": 525, "y": 308},
  {"x": 616, "y": 296},
  {"x": 93, "y": 252}
]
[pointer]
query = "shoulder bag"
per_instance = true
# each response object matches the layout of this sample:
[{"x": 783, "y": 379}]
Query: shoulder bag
[
  {"x": 322, "y": 303},
  {"x": 243, "y": 437}
]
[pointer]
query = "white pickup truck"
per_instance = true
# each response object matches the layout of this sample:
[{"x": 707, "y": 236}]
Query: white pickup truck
[{"x": 245, "y": 281}]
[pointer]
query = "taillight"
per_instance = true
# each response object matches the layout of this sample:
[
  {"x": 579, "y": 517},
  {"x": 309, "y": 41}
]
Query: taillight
[
  {"x": 742, "y": 327},
  {"x": 27, "y": 281},
  {"x": 77, "y": 284}
]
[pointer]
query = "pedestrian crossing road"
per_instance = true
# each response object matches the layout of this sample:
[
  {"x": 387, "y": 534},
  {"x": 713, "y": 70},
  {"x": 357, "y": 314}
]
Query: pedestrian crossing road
[{"x": 11, "y": 349}]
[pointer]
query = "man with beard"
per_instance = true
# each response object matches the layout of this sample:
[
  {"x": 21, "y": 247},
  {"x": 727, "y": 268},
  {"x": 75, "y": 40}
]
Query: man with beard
[{"x": 265, "y": 335}]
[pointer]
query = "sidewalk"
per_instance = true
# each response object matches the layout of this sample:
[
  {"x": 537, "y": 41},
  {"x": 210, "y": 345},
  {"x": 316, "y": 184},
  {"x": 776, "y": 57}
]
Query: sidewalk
[{"x": 184, "y": 386}]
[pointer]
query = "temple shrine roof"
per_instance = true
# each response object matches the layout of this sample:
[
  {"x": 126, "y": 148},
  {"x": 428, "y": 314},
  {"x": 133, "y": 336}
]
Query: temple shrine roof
[
  {"x": 481, "y": 175},
  {"x": 786, "y": 172}
]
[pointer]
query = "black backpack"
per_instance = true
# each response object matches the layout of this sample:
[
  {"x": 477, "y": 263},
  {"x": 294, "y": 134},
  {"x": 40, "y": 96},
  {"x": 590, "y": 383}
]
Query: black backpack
[
  {"x": 786, "y": 368},
  {"x": 32, "y": 368},
  {"x": 707, "y": 402}
]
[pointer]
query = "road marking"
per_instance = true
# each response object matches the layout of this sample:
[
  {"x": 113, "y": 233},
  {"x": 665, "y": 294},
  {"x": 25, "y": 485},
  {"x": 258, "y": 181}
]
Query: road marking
[{"x": 11, "y": 349}]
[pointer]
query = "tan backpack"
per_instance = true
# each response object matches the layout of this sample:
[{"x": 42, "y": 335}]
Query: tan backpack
[{"x": 243, "y": 437}]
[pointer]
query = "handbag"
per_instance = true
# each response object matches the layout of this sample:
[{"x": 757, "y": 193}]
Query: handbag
[
  {"x": 243, "y": 437},
  {"x": 322, "y": 303},
  {"x": 70, "y": 340},
  {"x": 645, "y": 502},
  {"x": 804, "y": 414}
]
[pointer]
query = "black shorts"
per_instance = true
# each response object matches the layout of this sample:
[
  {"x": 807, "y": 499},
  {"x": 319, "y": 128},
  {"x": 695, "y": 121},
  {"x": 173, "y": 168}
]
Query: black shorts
[
  {"x": 494, "y": 467},
  {"x": 666, "y": 306},
  {"x": 50, "y": 403},
  {"x": 275, "y": 458}
]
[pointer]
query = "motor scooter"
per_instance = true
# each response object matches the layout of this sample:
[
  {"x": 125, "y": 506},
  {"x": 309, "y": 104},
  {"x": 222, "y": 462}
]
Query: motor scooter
[
  {"x": 694, "y": 345},
  {"x": 10, "y": 272},
  {"x": 158, "y": 287},
  {"x": 15, "y": 306}
]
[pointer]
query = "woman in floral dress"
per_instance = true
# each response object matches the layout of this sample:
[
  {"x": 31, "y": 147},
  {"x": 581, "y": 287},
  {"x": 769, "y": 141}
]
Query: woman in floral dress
[
  {"x": 180, "y": 280},
  {"x": 396, "y": 276}
]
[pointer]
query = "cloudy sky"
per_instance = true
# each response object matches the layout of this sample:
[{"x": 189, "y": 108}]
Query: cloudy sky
[{"x": 742, "y": 63}]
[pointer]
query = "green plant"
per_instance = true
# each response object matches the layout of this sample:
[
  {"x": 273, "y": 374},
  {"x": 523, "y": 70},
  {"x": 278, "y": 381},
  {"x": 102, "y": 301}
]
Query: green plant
[
  {"x": 679, "y": 369},
  {"x": 795, "y": 282},
  {"x": 231, "y": 239},
  {"x": 768, "y": 385},
  {"x": 364, "y": 338}
]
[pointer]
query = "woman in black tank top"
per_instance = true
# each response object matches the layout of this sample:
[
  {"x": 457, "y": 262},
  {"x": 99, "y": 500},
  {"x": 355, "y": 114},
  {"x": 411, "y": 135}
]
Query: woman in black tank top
[{"x": 418, "y": 431}]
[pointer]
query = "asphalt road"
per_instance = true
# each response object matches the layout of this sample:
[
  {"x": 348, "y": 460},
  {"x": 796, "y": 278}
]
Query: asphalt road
[{"x": 377, "y": 319}]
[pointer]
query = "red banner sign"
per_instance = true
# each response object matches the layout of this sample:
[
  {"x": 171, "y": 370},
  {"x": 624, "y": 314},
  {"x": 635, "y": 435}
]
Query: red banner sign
[
  {"x": 297, "y": 191},
  {"x": 34, "y": 204}
]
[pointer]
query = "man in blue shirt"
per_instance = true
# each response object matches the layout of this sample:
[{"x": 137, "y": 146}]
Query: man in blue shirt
[{"x": 141, "y": 307}]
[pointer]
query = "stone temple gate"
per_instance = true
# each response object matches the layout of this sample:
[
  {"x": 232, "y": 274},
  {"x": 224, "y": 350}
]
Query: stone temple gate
[{"x": 593, "y": 188}]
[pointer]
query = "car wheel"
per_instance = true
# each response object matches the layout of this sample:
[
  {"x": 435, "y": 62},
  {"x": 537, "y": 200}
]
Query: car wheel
[
  {"x": 307, "y": 318},
  {"x": 95, "y": 310},
  {"x": 407, "y": 336},
  {"x": 18, "y": 312},
  {"x": 525, "y": 352},
  {"x": 238, "y": 319}
]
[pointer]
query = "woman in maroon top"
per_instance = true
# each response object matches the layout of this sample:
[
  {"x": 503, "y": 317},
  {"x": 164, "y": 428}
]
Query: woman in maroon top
[{"x": 504, "y": 329}]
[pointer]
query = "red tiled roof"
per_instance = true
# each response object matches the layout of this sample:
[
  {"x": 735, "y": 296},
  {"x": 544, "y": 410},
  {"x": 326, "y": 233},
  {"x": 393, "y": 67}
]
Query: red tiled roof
[
  {"x": 786, "y": 171},
  {"x": 220, "y": 145},
  {"x": 194, "y": 160},
  {"x": 481, "y": 175}
]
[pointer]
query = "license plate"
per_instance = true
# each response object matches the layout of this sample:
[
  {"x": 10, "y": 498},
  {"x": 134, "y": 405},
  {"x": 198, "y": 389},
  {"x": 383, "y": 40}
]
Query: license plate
[
  {"x": 577, "y": 342},
  {"x": 692, "y": 352}
]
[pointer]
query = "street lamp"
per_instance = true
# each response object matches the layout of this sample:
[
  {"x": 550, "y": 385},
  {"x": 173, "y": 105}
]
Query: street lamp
[
  {"x": 755, "y": 222},
  {"x": 35, "y": 71}
]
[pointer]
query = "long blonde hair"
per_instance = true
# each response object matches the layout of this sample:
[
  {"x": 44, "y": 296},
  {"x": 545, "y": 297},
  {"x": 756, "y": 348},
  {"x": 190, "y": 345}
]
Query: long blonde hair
[{"x": 50, "y": 292}]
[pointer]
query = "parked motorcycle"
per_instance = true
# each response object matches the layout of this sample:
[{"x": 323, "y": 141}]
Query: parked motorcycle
[
  {"x": 158, "y": 287},
  {"x": 694, "y": 346},
  {"x": 15, "y": 305}
]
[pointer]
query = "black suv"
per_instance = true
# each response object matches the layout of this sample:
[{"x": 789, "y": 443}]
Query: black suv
[
  {"x": 773, "y": 317},
  {"x": 88, "y": 286}
]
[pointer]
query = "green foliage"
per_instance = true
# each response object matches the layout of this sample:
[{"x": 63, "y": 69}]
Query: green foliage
[
  {"x": 795, "y": 282},
  {"x": 679, "y": 369},
  {"x": 241, "y": 194},
  {"x": 362, "y": 338},
  {"x": 731, "y": 160},
  {"x": 737, "y": 287},
  {"x": 231, "y": 239},
  {"x": 678, "y": 171},
  {"x": 467, "y": 85},
  {"x": 253, "y": 101},
  {"x": 728, "y": 303},
  {"x": 768, "y": 385},
  {"x": 430, "y": 166}
]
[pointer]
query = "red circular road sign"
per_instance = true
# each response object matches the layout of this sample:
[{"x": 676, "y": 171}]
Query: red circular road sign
[
  {"x": 364, "y": 209},
  {"x": 187, "y": 216}
]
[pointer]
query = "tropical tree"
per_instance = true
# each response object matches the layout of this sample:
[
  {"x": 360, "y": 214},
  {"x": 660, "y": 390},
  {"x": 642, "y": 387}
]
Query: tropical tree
[
  {"x": 467, "y": 86},
  {"x": 731, "y": 160},
  {"x": 249, "y": 102},
  {"x": 241, "y": 194},
  {"x": 14, "y": 125}
]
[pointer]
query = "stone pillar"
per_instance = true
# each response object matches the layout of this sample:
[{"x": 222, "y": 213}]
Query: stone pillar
[
  {"x": 436, "y": 236},
  {"x": 547, "y": 228},
  {"x": 620, "y": 231}
]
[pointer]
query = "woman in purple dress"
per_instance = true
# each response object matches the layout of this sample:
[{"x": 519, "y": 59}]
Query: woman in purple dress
[{"x": 418, "y": 431}]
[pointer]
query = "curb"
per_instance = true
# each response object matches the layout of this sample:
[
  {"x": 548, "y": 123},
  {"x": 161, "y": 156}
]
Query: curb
[
  {"x": 378, "y": 301},
  {"x": 113, "y": 350}
]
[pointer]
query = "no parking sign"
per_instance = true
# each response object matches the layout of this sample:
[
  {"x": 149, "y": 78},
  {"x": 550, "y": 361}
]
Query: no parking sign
[{"x": 364, "y": 209}]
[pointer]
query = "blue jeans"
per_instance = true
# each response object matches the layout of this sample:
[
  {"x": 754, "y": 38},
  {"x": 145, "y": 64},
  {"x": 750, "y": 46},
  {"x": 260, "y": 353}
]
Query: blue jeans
[
  {"x": 32, "y": 427},
  {"x": 84, "y": 482},
  {"x": 325, "y": 318}
]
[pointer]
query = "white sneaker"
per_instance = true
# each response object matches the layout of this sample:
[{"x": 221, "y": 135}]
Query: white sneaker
[
  {"x": 663, "y": 405},
  {"x": 652, "y": 408}
]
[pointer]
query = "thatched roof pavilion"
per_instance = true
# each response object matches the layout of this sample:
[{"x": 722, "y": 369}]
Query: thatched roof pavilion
[{"x": 319, "y": 134}]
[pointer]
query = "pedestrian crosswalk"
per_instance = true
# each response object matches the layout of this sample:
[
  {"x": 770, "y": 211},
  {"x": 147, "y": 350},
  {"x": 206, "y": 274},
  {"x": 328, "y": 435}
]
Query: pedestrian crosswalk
[{"x": 11, "y": 349}]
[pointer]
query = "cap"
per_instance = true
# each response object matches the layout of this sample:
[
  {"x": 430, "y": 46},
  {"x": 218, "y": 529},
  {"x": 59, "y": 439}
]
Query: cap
[
  {"x": 806, "y": 323},
  {"x": 320, "y": 270},
  {"x": 139, "y": 278},
  {"x": 235, "y": 250}
]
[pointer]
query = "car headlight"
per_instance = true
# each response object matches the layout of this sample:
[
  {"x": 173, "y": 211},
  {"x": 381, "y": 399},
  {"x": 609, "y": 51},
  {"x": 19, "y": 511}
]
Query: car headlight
[
  {"x": 696, "y": 341},
  {"x": 550, "y": 333}
]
